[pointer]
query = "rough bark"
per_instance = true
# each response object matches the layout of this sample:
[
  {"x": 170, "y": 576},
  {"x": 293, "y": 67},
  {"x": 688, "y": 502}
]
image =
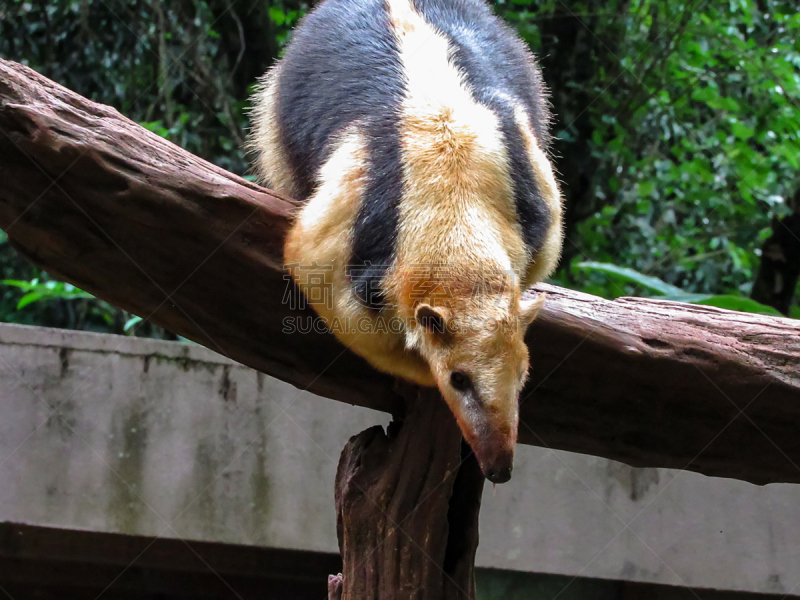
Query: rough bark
[
  {"x": 98, "y": 201},
  {"x": 407, "y": 504},
  {"x": 779, "y": 271}
]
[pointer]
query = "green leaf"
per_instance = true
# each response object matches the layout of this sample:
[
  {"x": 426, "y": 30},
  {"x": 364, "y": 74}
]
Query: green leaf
[
  {"x": 741, "y": 304},
  {"x": 131, "y": 323},
  {"x": 29, "y": 298},
  {"x": 631, "y": 275},
  {"x": 156, "y": 127},
  {"x": 277, "y": 15},
  {"x": 23, "y": 285},
  {"x": 46, "y": 290},
  {"x": 741, "y": 131}
]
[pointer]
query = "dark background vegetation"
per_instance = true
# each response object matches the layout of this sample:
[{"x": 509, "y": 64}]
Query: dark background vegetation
[{"x": 677, "y": 130}]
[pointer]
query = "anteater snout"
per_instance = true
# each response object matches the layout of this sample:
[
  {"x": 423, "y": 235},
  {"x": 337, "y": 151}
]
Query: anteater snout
[
  {"x": 496, "y": 466},
  {"x": 498, "y": 474}
]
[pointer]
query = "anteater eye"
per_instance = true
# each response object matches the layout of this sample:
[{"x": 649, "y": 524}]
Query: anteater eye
[{"x": 460, "y": 381}]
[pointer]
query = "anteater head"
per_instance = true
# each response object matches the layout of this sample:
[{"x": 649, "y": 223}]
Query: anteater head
[{"x": 478, "y": 357}]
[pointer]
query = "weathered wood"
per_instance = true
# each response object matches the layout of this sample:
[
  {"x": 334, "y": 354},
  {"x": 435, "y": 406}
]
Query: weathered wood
[
  {"x": 98, "y": 201},
  {"x": 657, "y": 383},
  {"x": 407, "y": 508}
]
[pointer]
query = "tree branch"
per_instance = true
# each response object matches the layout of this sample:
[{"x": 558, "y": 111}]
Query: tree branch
[{"x": 102, "y": 203}]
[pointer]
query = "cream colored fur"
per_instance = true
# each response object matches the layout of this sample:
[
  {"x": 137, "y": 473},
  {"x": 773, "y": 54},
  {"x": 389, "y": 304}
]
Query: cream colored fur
[{"x": 271, "y": 162}]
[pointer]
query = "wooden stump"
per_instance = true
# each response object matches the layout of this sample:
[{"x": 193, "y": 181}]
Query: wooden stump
[{"x": 407, "y": 503}]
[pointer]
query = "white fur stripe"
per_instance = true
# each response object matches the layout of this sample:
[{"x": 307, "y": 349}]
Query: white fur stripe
[
  {"x": 271, "y": 162},
  {"x": 458, "y": 204},
  {"x": 547, "y": 258}
]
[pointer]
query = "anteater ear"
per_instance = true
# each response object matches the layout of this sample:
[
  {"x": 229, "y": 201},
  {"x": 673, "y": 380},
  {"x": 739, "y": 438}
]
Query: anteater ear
[
  {"x": 432, "y": 318},
  {"x": 529, "y": 308}
]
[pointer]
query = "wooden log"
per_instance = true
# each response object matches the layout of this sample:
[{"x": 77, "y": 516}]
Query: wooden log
[
  {"x": 407, "y": 507},
  {"x": 102, "y": 203}
]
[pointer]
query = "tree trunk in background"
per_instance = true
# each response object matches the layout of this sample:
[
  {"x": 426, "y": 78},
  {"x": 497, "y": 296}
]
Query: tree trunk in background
[
  {"x": 407, "y": 504},
  {"x": 247, "y": 37},
  {"x": 567, "y": 40},
  {"x": 777, "y": 276}
]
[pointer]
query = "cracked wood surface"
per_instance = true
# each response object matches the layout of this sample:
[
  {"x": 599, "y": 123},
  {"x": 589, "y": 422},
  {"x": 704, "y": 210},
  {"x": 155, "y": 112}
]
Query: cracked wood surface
[{"x": 99, "y": 201}]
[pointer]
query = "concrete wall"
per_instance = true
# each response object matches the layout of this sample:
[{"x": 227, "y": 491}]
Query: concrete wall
[{"x": 118, "y": 434}]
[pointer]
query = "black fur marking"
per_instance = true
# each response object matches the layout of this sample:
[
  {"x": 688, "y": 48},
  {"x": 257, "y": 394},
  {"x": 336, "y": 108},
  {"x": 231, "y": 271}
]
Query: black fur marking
[
  {"x": 342, "y": 67},
  {"x": 375, "y": 231},
  {"x": 499, "y": 68}
]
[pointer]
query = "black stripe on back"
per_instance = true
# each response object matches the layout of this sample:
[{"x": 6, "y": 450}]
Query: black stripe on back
[{"x": 342, "y": 67}]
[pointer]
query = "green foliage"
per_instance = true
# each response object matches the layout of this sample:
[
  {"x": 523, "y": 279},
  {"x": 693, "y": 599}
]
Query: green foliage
[
  {"x": 632, "y": 276},
  {"x": 741, "y": 304},
  {"x": 705, "y": 152},
  {"x": 183, "y": 70},
  {"x": 690, "y": 111},
  {"x": 44, "y": 301},
  {"x": 665, "y": 291},
  {"x": 677, "y": 122},
  {"x": 36, "y": 291}
]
